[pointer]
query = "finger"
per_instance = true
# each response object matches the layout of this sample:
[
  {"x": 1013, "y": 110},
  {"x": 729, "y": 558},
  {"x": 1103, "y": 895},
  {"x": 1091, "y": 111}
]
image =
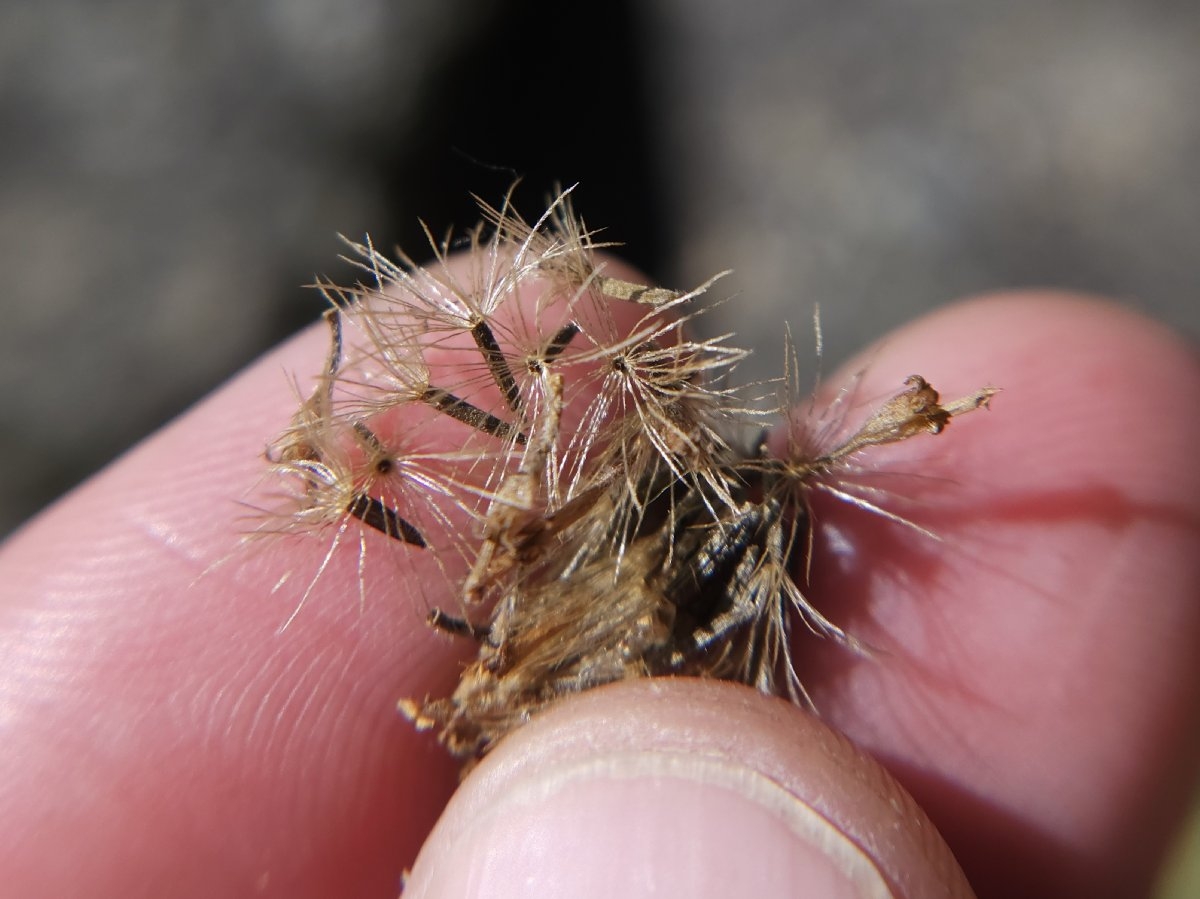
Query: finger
[
  {"x": 163, "y": 732},
  {"x": 162, "y": 735},
  {"x": 1035, "y": 684},
  {"x": 686, "y": 788}
]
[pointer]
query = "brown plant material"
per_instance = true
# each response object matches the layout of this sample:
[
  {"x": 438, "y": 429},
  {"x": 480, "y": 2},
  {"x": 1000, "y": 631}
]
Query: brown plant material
[{"x": 642, "y": 539}]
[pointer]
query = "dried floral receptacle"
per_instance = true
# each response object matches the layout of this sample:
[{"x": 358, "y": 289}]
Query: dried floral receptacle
[{"x": 599, "y": 517}]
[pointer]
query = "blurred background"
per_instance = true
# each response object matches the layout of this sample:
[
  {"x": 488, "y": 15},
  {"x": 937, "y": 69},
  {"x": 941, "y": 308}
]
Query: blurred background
[{"x": 174, "y": 170}]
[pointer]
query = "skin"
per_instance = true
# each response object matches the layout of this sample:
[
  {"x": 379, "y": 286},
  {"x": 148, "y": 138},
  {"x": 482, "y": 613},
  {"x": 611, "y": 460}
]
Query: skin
[{"x": 1033, "y": 687}]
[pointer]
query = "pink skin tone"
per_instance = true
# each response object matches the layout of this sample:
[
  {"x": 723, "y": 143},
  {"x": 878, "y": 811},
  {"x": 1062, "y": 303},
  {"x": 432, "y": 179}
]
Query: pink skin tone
[{"x": 1035, "y": 685}]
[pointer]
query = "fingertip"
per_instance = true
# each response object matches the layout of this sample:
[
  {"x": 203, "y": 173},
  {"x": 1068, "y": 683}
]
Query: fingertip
[
  {"x": 1056, "y": 358},
  {"x": 700, "y": 788},
  {"x": 1038, "y": 687}
]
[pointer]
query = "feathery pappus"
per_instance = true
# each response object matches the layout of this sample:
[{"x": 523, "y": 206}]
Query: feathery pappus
[{"x": 574, "y": 463}]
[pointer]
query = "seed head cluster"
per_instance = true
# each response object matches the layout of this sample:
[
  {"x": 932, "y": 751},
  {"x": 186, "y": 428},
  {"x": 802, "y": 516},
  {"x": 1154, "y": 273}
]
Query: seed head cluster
[{"x": 574, "y": 464}]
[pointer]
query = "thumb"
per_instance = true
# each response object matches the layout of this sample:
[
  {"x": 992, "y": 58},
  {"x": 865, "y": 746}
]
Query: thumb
[{"x": 683, "y": 788}]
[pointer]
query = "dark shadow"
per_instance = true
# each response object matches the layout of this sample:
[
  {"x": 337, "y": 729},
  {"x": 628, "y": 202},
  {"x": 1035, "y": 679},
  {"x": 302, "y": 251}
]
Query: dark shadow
[{"x": 543, "y": 95}]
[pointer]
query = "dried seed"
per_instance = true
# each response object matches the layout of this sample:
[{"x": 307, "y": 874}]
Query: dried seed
[{"x": 644, "y": 540}]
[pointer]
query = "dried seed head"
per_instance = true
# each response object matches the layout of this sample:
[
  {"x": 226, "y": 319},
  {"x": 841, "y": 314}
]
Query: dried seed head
[{"x": 601, "y": 515}]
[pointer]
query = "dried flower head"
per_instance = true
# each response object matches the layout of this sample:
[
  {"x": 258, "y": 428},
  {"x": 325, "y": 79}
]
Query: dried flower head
[{"x": 599, "y": 518}]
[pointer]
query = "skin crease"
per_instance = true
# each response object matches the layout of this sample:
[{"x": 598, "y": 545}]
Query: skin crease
[{"x": 1034, "y": 685}]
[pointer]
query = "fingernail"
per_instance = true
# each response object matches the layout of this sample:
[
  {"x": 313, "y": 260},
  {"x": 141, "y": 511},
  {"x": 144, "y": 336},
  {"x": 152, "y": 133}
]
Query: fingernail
[{"x": 644, "y": 823}]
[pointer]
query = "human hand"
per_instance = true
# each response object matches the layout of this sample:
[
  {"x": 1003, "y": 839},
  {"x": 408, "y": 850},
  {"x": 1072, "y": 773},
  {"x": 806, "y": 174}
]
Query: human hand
[{"x": 1036, "y": 691}]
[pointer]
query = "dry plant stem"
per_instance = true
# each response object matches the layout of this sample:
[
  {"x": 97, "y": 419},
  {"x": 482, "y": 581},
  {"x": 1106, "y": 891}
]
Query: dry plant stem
[{"x": 642, "y": 540}]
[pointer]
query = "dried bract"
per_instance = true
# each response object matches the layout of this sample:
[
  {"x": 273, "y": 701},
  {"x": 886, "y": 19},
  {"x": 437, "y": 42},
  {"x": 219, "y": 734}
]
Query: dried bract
[{"x": 584, "y": 486}]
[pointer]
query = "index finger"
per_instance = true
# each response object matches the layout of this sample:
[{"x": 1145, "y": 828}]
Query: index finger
[{"x": 1037, "y": 687}]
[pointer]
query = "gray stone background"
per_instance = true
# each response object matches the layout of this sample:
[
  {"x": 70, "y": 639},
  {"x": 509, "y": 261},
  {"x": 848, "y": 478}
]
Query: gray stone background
[{"x": 173, "y": 170}]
